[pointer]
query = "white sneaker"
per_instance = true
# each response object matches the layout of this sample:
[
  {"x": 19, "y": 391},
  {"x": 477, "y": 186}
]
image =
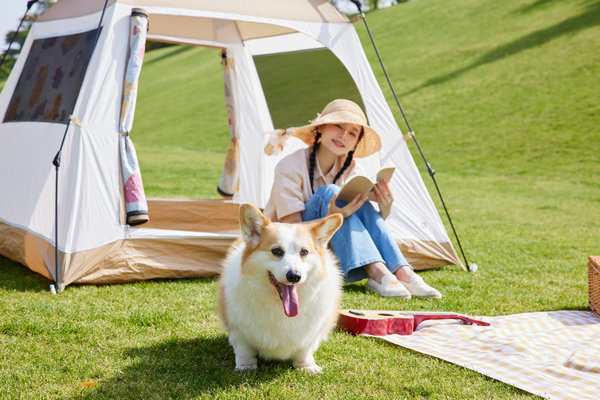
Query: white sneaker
[
  {"x": 389, "y": 287},
  {"x": 418, "y": 288}
]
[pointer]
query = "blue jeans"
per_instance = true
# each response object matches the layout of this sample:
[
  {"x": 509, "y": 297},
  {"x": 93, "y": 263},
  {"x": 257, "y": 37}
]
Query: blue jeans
[{"x": 362, "y": 239}]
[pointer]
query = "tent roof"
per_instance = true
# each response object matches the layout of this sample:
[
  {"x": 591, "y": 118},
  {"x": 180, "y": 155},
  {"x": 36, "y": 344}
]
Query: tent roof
[
  {"x": 299, "y": 10},
  {"x": 183, "y": 21}
]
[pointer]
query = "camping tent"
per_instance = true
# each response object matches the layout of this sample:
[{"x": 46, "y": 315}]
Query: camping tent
[{"x": 67, "y": 87}]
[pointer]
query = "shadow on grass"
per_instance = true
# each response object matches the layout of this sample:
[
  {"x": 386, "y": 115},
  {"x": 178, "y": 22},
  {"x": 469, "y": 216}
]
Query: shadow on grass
[
  {"x": 18, "y": 278},
  {"x": 182, "y": 368},
  {"x": 526, "y": 8},
  {"x": 587, "y": 19}
]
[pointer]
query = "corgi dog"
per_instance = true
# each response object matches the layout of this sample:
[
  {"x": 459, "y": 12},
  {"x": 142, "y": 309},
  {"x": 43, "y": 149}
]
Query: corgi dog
[{"x": 279, "y": 290}]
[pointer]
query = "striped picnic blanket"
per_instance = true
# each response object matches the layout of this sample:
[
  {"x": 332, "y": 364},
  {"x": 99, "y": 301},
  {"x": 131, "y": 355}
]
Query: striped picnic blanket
[{"x": 552, "y": 354}]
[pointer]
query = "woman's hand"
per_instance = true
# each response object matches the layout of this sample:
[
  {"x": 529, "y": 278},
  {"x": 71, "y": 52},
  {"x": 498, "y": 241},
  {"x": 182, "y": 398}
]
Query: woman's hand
[
  {"x": 349, "y": 208},
  {"x": 384, "y": 197}
]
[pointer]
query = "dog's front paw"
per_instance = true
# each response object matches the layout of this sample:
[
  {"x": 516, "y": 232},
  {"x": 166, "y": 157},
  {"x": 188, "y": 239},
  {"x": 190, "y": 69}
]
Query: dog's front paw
[
  {"x": 246, "y": 367},
  {"x": 310, "y": 368},
  {"x": 245, "y": 357}
]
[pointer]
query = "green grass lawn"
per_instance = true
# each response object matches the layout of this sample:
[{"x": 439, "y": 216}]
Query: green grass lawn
[{"x": 503, "y": 97}]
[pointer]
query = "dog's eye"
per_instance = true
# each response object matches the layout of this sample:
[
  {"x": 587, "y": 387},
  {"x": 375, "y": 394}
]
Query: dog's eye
[
  {"x": 303, "y": 252},
  {"x": 277, "y": 252}
]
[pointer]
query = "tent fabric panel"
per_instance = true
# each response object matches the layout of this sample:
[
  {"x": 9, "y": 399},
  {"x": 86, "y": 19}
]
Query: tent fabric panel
[
  {"x": 254, "y": 30},
  {"x": 303, "y": 10},
  {"x": 423, "y": 255},
  {"x": 291, "y": 42},
  {"x": 253, "y": 120},
  {"x": 188, "y": 28},
  {"x": 307, "y": 10},
  {"x": 88, "y": 197},
  {"x": 99, "y": 103},
  {"x": 121, "y": 261},
  {"x": 64, "y": 9},
  {"x": 27, "y": 175},
  {"x": 216, "y": 216},
  {"x": 193, "y": 28},
  {"x": 142, "y": 259},
  {"x": 27, "y": 249}
]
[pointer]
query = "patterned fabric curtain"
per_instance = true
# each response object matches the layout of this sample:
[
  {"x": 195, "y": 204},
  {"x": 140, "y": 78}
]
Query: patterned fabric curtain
[
  {"x": 135, "y": 198},
  {"x": 230, "y": 178}
]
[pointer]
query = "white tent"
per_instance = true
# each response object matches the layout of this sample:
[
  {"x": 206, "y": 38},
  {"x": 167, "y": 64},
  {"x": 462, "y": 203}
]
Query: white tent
[{"x": 183, "y": 238}]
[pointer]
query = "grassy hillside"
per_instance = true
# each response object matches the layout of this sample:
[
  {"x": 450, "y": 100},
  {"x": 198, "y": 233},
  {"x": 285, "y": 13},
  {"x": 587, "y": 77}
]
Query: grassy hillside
[{"x": 503, "y": 97}]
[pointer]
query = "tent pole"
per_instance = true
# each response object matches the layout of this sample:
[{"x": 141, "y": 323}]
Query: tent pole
[
  {"x": 430, "y": 170},
  {"x": 56, "y": 160}
]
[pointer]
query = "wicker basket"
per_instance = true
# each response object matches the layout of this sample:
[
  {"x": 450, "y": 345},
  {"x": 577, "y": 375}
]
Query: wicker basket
[{"x": 594, "y": 284}]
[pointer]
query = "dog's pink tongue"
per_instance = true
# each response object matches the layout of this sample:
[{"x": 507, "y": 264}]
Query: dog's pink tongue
[{"x": 289, "y": 298}]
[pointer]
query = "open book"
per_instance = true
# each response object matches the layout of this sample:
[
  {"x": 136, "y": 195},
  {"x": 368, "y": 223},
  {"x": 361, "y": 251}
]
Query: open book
[{"x": 363, "y": 185}]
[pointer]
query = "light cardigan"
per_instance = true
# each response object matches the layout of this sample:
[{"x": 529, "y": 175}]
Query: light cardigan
[{"x": 291, "y": 184}]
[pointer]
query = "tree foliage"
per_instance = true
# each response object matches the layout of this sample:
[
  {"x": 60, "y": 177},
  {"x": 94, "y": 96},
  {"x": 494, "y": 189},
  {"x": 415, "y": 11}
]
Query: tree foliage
[{"x": 15, "y": 39}]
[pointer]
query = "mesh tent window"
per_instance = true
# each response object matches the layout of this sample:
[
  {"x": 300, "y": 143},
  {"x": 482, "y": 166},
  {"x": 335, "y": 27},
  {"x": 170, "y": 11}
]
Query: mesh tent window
[{"x": 48, "y": 86}]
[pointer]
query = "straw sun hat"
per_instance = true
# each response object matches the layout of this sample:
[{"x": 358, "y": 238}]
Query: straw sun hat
[{"x": 342, "y": 111}]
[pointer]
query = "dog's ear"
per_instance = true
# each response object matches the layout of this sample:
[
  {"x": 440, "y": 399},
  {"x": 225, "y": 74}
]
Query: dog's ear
[
  {"x": 252, "y": 223},
  {"x": 324, "y": 228}
]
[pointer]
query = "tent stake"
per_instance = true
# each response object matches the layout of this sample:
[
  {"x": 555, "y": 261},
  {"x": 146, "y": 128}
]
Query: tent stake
[
  {"x": 56, "y": 160},
  {"x": 471, "y": 267}
]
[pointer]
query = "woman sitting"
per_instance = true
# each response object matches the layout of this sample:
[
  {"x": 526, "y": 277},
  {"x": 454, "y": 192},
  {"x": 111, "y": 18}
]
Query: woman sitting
[{"x": 305, "y": 188}]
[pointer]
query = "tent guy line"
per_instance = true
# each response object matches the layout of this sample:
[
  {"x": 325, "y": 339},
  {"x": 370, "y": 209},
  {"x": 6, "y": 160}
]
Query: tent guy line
[{"x": 471, "y": 266}]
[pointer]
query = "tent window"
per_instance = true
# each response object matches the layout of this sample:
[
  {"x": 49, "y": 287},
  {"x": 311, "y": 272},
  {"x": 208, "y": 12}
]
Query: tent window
[
  {"x": 48, "y": 86},
  {"x": 298, "y": 85}
]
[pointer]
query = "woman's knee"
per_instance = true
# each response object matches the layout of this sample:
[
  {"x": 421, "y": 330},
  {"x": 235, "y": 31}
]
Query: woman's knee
[
  {"x": 325, "y": 193},
  {"x": 328, "y": 191},
  {"x": 318, "y": 204}
]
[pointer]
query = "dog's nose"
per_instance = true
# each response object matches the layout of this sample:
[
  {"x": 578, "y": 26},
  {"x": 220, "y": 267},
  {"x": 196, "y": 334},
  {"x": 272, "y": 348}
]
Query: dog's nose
[{"x": 293, "y": 276}]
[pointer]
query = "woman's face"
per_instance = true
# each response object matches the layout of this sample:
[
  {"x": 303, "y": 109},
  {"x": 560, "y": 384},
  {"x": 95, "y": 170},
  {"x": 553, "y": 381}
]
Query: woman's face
[{"x": 340, "y": 138}]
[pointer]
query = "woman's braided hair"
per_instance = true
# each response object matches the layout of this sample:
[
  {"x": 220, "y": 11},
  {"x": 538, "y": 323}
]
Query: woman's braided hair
[{"x": 313, "y": 157}]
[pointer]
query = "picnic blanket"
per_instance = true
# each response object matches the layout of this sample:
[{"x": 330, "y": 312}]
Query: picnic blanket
[{"x": 551, "y": 354}]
